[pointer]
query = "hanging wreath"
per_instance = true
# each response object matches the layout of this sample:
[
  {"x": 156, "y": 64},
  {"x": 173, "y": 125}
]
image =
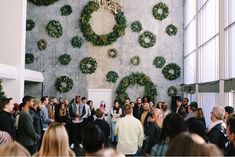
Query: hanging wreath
[
  {"x": 42, "y": 44},
  {"x": 2, "y": 93},
  {"x": 30, "y": 24},
  {"x": 76, "y": 42},
  {"x": 147, "y": 39},
  {"x": 66, "y": 10},
  {"x": 64, "y": 59},
  {"x": 54, "y": 29},
  {"x": 43, "y": 2},
  {"x": 88, "y": 65},
  {"x": 160, "y": 11},
  {"x": 159, "y": 62},
  {"x": 171, "y": 30},
  {"x": 29, "y": 58},
  {"x": 172, "y": 91},
  {"x": 135, "y": 60},
  {"x": 112, "y": 53},
  {"x": 63, "y": 84},
  {"x": 139, "y": 79},
  {"x": 171, "y": 71},
  {"x": 112, "y": 76},
  {"x": 136, "y": 26},
  {"x": 104, "y": 39}
]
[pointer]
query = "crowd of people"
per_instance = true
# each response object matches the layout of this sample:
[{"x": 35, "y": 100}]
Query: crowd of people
[{"x": 47, "y": 127}]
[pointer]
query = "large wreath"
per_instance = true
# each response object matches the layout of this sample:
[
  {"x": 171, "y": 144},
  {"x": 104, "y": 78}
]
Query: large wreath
[
  {"x": 64, "y": 59},
  {"x": 63, "y": 84},
  {"x": 172, "y": 91},
  {"x": 29, "y": 58},
  {"x": 112, "y": 76},
  {"x": 76, "y": 42},
  {"x": 54, "y": 29},
  {"x": 104, "y": 39},
  {"x": 43, "y": 2},
  {"x": 139, "y": 79},
  {"x": 136, "y": 26},
  {"x": 159, "y": 62},
  {"x": 135, "y": 60},
  {"x": 42, "y": 44},
  {"x": 88, "y": 65},
  {"x": 150, "y": 37},
  {"x": 171, "y": 30},
  {"x": 29, "y": 24},
  {"x": 160, "y": 11},
  {"x": 171, "y": 71}
]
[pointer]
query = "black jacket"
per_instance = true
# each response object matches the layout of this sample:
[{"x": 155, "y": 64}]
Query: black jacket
[
  {"x": 137, "y": 111},
  {"x": 7, "y": 123},
  {"x": 104, "y": 126}
]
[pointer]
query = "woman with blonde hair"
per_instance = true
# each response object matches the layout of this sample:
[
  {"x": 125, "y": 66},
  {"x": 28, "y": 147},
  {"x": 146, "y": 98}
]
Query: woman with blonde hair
[
  {"x": 13, "y": 149},
  {"x": 55, "y": 142}
]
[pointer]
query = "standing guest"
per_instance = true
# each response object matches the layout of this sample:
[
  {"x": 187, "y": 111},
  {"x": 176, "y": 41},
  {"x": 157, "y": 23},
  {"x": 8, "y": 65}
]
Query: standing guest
[
  {"x": 159, "y": 105},
  {"x": 88, "y": 111},
  {"x": 55, "y": 142},
  {"x": 16, "y": 110},
  {"x": 185, "y": 102},
  {"x": 231, "y": 135},
  {"x": 103, "y": 109},
  {"x": 200, "y": 116},
  {"x": 146, "y": 115},
  {"x": 165, "y": 109},
  {"x": 6, "y": 118},
  {"x": 228, "y": 111},
  {"x": 44, "y": 113},
  {"x": 116, "y": 113},
  {"x": 192, "y": 110},
  {"x": 130, "y": 133},
  {"x": 92, "y": 109},
  {"x": 138, "y": 108},
  {"x": 61, "y": 114},
  {"x": 27, "y": 135},
  {"x": 132, "y": 104},
  {"x": 145, "y": 99}
]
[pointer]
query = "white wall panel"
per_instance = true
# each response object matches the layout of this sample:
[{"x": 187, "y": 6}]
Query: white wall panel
[
  {"x": 190, "y": 10},
  {"x": 190, "y": 69},
  {"x": 190, "y": 38}
]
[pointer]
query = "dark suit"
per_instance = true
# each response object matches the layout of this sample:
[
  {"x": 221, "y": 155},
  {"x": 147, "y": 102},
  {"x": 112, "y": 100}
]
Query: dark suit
[
  {"x": 137, "y": 111},
  {"x": 104, "y": 126},
  {"x": 7, "y": 123}
]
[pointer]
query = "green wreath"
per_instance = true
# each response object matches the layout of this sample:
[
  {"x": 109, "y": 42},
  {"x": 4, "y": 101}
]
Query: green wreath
[
  {"x": 112, "y": 53},
  {"x": 160, "y": 11},
  {"x": 171, "y": 30},
  {"x": 42, "y": 44},
  {"x": 135, "y": 60},
  {"x": 29, "y": 58},
  {"x": 88, "y": 65},
  {"x": 139, "y": 79},
  {"x": 76, "y": 42},
  {"x": 149, "y": 36},
  {"x": 30, "y": 24},
  {"x": 54, "y": 29},
  {"x": 64, "y": 59},
  {"x": 104, "y": 39},
  {"x": 66, "y": 10},
  {"x": 112, "y": 76},
  {"x": 171, "y": 71},
  {"x": 136, "y": 26},
  {"x": 63, "y": 84},
  {"x": 159, "y": 62},
  {"x": 172, "y": 91},
  {"x": 2, "y": 93},
  {"x": 43, "y": 2}
]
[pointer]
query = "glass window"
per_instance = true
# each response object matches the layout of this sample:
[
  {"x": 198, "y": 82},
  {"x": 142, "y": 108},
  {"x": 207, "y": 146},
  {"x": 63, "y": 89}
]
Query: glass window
[
  {"x": 190, "y": 38},
  {"x": 190, "y": 10},
  {"x": 190, "y": 68}
]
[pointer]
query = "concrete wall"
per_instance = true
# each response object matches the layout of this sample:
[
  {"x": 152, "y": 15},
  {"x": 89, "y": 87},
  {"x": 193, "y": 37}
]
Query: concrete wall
[{"x": 169, "y": 47}]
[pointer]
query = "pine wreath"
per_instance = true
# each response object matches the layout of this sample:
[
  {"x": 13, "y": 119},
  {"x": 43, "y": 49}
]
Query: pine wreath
[
  {"x": 30, "y": 24},
  {"x": 136, "y": 26},
  {"x": 76, "y": 42},
  {"x": 29, "y": 58},
  {"x": 54, "y": 29},
  {"x": 64, "y": 59},
  {"x": 43, "y": 2},
  {"x": 66, "y": 10},
  {"x": 135, "y": 60},
  {"x": 42, "y": 44},
  {"x": 171, "y": 30},
  {"x": 63, "y": 84},
  {"x": 112, "y": 53},
  {"x": 172, "y": 91},
  {"x": 171, "y": 71},
  {"x": 160, "y": 11},
  {"x": 2, "y": 93},
  {"x": 159, "y": 62},
  {"x": 147, "y": 39},
  {"x": 104, "y": 39},
  {"x": 88, "y": 65},
  {"x": 112, "y": 76}
]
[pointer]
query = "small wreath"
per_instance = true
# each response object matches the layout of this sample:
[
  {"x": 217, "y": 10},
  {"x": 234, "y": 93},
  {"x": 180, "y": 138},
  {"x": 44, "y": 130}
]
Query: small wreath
[
  {"x": 54, "y": 29},
  {"x": 43, "y": 2},
  {"x": 88, "y": 65},
  {"x": 171, "y": 30},
  {"x": 135, "y": 60},
  {"x": 160, "y": 11},
  {"x": 63, "y": 84},
  {"x": 159, "y": 62},
  {"x": 112, "y": 76},
  {"x": 64, "y": 59},
  {"x": 66, "y": 10},
  {"x": 150, "y": 37},
  {"x": 29, "y": 58},
  {"x": 136, "y": 26},
  {"x": 30, "y": 25},
  {"x": 172, "y": 91},
  {"x": 112, "y": 53},
  {"x": 104, "y": 39},
  {"x": 171, "y": 71},
  {"x": 42, "y": 44},
  {"x": 76, "y": 42}
]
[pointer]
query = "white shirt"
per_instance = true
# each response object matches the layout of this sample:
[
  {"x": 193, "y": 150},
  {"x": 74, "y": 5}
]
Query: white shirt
[{"x": 130, "y": 134}]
